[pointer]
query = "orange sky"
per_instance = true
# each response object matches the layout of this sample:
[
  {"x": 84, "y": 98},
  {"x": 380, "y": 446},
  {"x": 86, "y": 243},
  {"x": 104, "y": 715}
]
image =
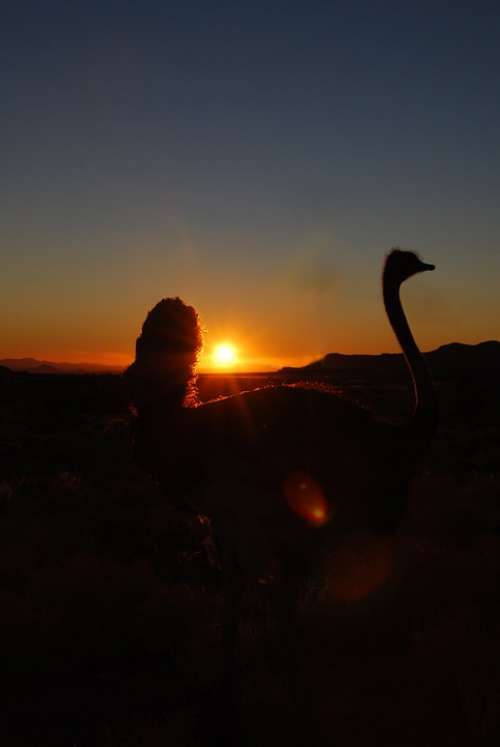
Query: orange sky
[{"x": 276, "y": 319}]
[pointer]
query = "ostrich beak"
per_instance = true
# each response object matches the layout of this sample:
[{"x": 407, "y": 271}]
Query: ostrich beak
[{"x": 424, "y": 266}]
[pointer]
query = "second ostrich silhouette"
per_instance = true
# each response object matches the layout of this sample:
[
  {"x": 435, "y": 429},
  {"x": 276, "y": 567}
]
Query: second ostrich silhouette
[{"x": 281, "y": 471}]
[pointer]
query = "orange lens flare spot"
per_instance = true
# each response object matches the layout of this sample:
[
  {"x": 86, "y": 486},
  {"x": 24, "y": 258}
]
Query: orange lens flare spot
[
  {"x": 361, "y": 566},
  {"x": 305, "y": 498},
  {"x": 318, "y": 513}
]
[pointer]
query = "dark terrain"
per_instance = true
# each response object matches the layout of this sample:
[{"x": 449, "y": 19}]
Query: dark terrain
[{"x": 111, "y": 599}]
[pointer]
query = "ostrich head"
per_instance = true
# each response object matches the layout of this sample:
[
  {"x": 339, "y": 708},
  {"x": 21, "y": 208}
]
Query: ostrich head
[
  {"x": 170, "y": 334},
  {"x": 401, "y": 265},
  {"x": 166, "y": 353}
]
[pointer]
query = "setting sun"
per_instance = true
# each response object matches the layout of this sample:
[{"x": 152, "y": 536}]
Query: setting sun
[{"x": 224, "y": 355}]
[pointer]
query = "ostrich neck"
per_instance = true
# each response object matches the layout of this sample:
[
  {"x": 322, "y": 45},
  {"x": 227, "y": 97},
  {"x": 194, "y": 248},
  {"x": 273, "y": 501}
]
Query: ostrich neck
[{"x": 425, "y": 411}]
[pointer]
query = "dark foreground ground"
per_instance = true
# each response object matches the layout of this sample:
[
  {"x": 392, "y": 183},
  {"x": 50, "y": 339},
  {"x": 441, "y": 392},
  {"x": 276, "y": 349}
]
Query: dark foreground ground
[{"x": 110, "y": 600}]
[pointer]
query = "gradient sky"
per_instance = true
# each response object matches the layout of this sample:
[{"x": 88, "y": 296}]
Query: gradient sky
[{"x": 256, "y": 159}]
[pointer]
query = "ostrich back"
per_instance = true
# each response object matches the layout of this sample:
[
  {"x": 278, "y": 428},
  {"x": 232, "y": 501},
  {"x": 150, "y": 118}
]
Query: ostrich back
[{"x": 239, "y": 453}]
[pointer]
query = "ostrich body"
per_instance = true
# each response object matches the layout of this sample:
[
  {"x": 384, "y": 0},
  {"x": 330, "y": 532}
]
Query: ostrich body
[{"x": 282, "y": 470}]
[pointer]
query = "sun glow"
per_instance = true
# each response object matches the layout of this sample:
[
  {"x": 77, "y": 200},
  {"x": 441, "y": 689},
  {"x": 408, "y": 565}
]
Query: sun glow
[{"x": 224, "y": 355}]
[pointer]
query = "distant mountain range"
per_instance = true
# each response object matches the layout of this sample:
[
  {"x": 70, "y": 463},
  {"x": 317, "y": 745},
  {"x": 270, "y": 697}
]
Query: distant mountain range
[
  {"x": 32, "y": 365},
  {"x": 448, "y": 362}
]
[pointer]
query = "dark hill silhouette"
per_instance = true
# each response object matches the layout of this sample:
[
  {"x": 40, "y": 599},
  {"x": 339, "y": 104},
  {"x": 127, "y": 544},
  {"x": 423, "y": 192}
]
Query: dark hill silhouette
[
  {"x": 45, "y": 368},
  {"x": 451, "y": 362},
  {"x": 32, "y": 365}
]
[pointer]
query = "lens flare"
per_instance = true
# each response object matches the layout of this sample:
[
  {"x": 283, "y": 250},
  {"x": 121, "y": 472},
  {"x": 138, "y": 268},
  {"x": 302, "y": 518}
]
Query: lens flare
[
  {"x": 361, "y": 565},
  {"x": 306, "y": 498}
]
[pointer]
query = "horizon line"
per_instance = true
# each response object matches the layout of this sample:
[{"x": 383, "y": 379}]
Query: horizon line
[{"x": 254, "y": 367}]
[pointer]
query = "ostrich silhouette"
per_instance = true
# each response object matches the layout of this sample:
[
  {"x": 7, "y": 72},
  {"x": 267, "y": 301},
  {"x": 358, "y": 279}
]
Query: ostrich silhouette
[{"x": 281, "y": 471}]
